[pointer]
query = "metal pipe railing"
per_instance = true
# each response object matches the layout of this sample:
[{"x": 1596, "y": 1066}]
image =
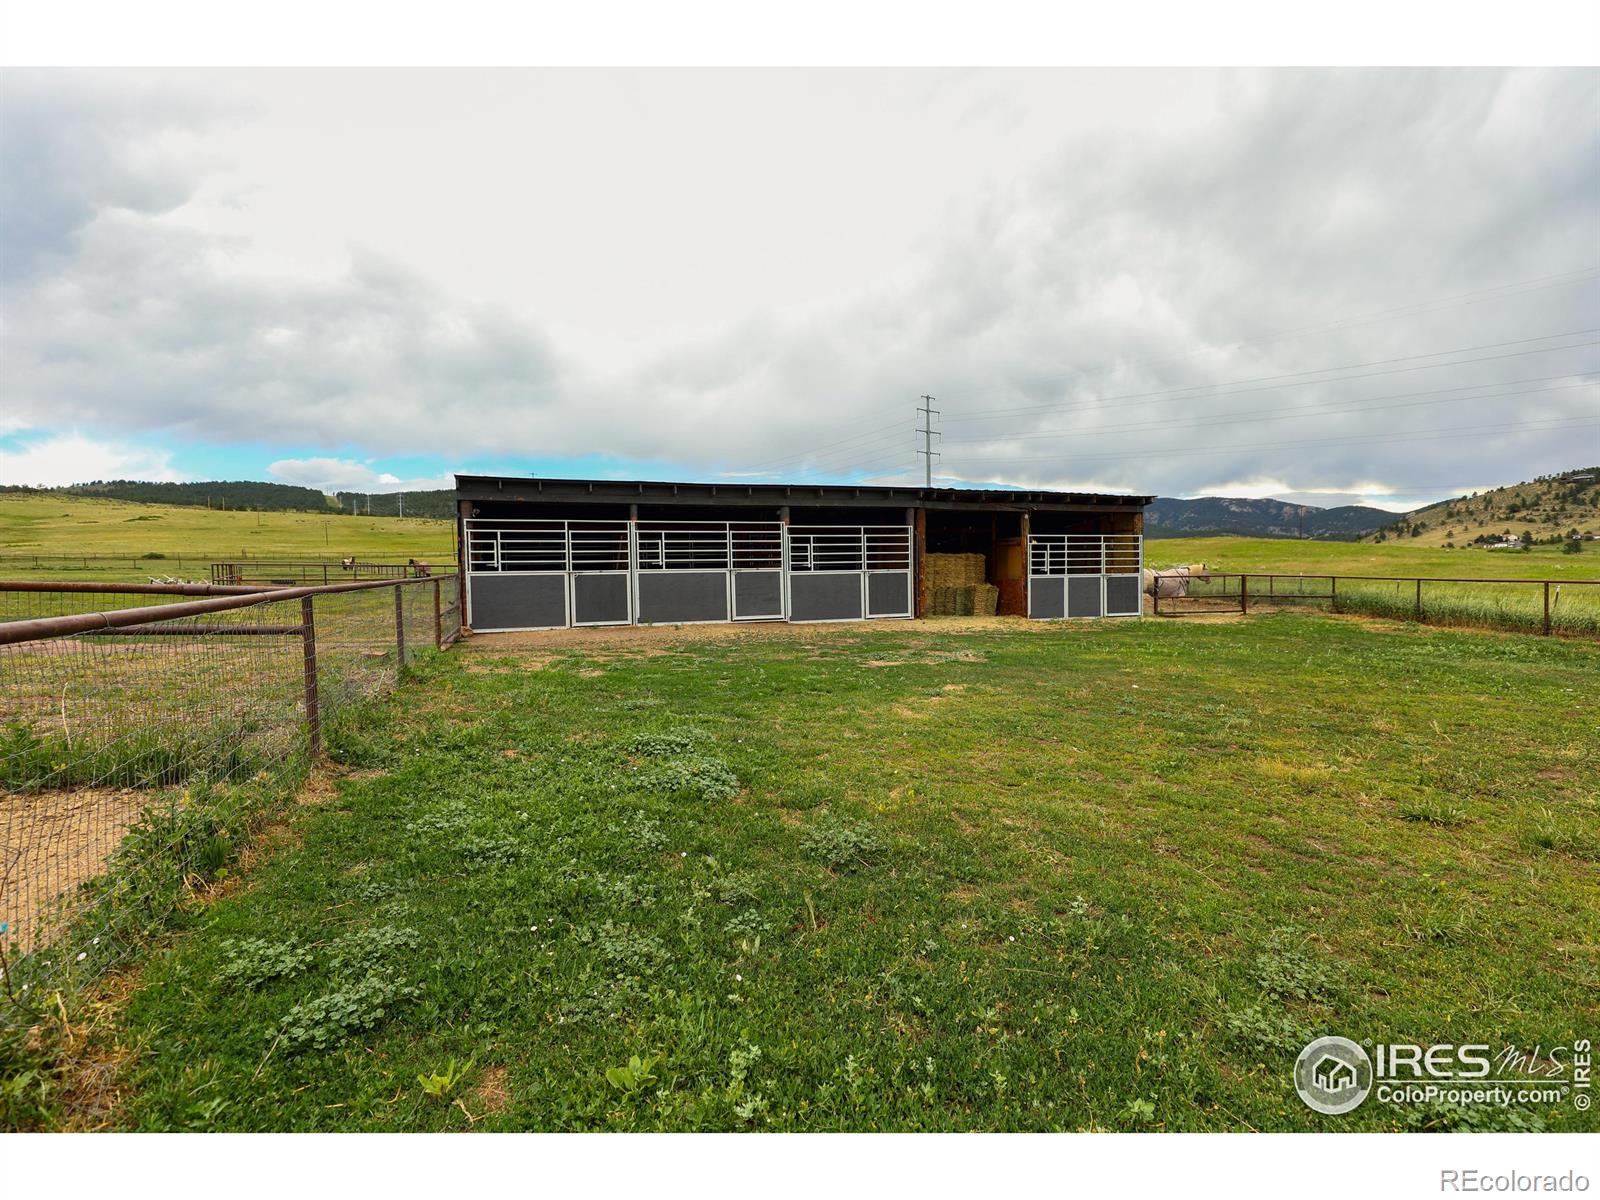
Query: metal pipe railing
[{"x": 36, "y": 628}]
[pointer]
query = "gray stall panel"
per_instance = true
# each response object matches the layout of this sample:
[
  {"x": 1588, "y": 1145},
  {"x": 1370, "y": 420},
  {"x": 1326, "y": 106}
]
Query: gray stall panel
[
  {"x": 669, "y": 597},
  {"x": 1122, "y": 595},
  {"x": 599, "y": 599},
  {"x": 1047, "y": 598},
  {"x": 757, "y": 595},
  {"x": 889, "y": 594},
  {"x": 513, "y": 600},
  {"x": 1083, "y": 595},
  {"x": 818, "y": 597}
]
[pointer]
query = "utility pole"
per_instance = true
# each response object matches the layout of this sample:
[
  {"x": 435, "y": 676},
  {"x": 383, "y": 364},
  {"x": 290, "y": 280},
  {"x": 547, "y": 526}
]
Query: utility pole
[
  {"x": 928, "y": 433},
  {"x": 402, "y": 504}
]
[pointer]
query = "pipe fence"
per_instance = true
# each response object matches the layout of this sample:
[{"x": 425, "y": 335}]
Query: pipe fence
[
  {"x": 1547, "y": 606},
  {"x": 145, "y": 734}
]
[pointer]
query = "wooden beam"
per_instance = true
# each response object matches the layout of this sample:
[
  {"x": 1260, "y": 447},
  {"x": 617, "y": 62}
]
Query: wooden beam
[{"x": 920, "y": 555}]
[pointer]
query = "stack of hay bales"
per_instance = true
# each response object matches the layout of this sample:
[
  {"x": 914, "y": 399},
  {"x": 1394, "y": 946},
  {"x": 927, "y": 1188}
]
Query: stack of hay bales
[{"x": 955, "y": 587}]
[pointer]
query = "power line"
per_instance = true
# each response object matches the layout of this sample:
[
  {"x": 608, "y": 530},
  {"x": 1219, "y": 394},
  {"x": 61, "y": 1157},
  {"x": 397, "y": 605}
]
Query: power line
[
  {"x": 1163, "y": 395},
  {"x": 1366, "y": 405},
  {"x": 1562, "y": 279},
  {"x": 1546, "y": 422}
]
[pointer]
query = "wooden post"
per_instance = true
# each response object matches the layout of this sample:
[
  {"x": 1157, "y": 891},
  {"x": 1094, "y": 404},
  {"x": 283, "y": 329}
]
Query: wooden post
[
  {"x": 438, "y": 617},
  {"x": 1419, "y": 600},
  {"x": 308, "y": 641},
  {"x": 919, "y": 608},
  {"x": 1333, "y": 593},
  {"x": 1244, "y": 593},
  {"x": 1547, "y": 608},
  {"x": 399, "y": 625}
]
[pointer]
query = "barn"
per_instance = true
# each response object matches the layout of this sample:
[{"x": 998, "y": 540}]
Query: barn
[{"x": 553, "y": 553}]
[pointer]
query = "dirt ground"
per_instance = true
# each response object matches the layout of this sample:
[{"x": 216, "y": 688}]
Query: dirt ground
[
  {"x": 53, "y": 842},
  {"x": 643, "y": 637}
]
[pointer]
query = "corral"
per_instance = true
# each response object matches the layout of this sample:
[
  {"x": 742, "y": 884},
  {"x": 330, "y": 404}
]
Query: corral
[
  {"x": 543, "y": 553},
  {"x": 975, "y": 874}
]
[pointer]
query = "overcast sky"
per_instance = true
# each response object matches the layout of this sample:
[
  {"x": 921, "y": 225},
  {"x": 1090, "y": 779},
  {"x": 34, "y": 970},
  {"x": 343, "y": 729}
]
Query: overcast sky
[{"x": 1374, "y": 284}]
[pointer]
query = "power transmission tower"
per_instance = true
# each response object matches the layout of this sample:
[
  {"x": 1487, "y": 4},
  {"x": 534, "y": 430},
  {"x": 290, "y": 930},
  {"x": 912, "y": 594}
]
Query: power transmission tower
[
  {"x": 928, "y": 433},
  {"x": 402, "y": 504}
]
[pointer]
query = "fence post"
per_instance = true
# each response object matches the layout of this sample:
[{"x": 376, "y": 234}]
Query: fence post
[
  {"x": 1546, "y": 608},
  {"x": 399, "y": 624},
  {"x": 1419, "y": 601},
  {"x": 438, "y": 619},
  {"x": 1333, "y": 593},
  {"x": 308, "y": 639},
  {"x": 1244, "y": 593}
]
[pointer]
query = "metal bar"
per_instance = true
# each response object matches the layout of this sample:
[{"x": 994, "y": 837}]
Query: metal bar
[
  {"x": 1419, "y": 601},
  {"x": 12, "y": 632},
  {"x": 180, "y": 630},
  {"x": 400, "y": 627},
  {"x": 308, "y": 634},
  {"x": 438, "y": 619},
  {"x": 135, "y": 589},
  {"x": 1547, "y": 609}
]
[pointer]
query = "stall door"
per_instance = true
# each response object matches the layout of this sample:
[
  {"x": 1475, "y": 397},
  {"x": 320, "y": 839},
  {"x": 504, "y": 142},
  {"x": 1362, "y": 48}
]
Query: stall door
[
  {"x": 1084, "y": 575},
  {"x": 848, "y": 572},
  {"x": 599, "y": 576}
]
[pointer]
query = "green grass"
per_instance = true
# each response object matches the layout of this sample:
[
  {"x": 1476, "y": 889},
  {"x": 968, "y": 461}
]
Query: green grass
[
  {"x": 188, "y": 538},
  {"x": 1106, "y": 876}
]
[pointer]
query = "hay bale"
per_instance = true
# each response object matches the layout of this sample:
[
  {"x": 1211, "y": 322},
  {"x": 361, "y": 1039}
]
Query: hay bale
[
  {"x": 954, "y": 570},
  {"x": 985, "y": 600}
]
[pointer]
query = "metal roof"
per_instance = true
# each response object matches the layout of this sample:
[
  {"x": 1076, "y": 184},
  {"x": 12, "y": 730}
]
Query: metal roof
[{"x": 506, "y": 487}]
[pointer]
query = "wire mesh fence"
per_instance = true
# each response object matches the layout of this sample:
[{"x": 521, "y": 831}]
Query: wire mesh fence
[
  {"x": 142, "y": 742},
  {"x": 1569, "y": 606}
]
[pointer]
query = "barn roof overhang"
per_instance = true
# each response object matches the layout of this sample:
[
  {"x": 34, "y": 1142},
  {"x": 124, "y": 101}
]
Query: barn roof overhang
[{"x": 766, "y": 495}]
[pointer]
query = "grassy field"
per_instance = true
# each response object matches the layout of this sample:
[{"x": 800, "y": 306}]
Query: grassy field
[
  {"x": 902, "y": 876},
  {"x": 188, "y": 538},
  {"x": 1287, "y": 556}
]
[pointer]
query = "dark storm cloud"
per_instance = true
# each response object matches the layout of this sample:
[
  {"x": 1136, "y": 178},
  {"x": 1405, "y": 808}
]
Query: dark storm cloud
[{"x": 1124, "y": 267}]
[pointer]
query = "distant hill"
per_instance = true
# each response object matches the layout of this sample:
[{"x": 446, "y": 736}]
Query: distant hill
[
  {"x": 221, "y": 494},
  {"x": 1204, "y": 515},
  {"x": 1545, "y": 509},
  {"x": 249, "y": 495}
]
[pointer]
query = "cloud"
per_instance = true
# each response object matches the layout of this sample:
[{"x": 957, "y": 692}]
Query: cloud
[
  {"x": 344, "y": 475},
  {"x": 1152, "y": 311},
  {"x": 72, "y": 458}
]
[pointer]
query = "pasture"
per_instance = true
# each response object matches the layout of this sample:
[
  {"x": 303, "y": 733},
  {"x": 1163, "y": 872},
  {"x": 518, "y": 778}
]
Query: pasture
[
  {"x": 904, "y": 876},
  {"x": 172, "y": 539}
]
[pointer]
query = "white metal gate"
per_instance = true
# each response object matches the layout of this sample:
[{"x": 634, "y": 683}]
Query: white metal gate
[
  {"x": 847, "y": 572},
  {"x": 547, "y": 574},
  {"x": 691, "y": 572},
  {"x": 1084, "y": 575}
]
